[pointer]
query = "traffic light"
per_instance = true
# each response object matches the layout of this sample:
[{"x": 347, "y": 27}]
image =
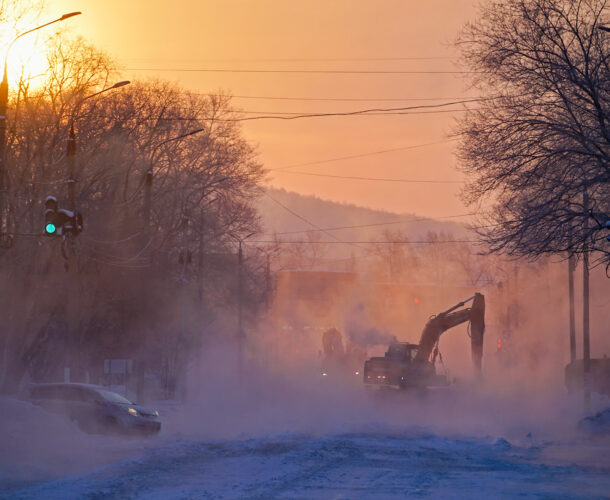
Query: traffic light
[
  {"x": 59, "y": 221},
  {"x": 51, "y": 226},
  {"x": 71, "y": 222}
]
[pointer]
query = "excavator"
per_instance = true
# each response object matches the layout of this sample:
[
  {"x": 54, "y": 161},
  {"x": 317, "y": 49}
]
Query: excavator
[
  {"x": 408, "y": 365},
  {"x": 338, "y": 360}
]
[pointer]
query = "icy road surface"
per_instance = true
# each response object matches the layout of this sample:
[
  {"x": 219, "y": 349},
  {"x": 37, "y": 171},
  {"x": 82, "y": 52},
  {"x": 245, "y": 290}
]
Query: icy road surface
[
  {"x": 340, "y": 466},
  {"x": 270, "y": 443}
]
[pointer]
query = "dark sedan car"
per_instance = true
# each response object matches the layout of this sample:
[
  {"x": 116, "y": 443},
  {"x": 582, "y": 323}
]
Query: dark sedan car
[{"x": 95, "y": 409}]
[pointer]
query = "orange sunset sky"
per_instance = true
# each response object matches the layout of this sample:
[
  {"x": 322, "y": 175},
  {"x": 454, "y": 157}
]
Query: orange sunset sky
[{"x": 175, "y": 40}]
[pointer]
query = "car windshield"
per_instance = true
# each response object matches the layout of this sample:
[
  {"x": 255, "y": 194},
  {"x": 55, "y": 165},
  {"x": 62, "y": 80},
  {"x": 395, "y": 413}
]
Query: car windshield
[{"x": 113, "y": 397}]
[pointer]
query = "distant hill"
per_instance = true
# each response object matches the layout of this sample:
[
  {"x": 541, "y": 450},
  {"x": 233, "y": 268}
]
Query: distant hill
[{"x": 287, "y": 212}]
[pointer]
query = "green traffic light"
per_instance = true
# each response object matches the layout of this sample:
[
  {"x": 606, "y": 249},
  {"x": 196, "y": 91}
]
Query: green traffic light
[{"x": 50, "y": 228}]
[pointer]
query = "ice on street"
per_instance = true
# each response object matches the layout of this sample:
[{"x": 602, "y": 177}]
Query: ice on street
[{"x": 387, "y": 447}]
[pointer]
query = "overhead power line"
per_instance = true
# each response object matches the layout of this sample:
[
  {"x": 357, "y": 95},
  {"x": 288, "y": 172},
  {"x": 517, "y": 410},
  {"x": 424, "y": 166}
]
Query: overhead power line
[
  {"x": 292, "y": 212},
  {"x": 305, "y": 59},
  {"x": 297, "y": 117},
  {"x": 371, "y": 178},
  {"x": 362, "y": 155},
  {"x": 342, "y": 99},
  {"x": 306, "y": 71},
  {"x": 362, "y": 242},
  {"x": 369, "y": 111},
  {"x": 378, "y": 224}
]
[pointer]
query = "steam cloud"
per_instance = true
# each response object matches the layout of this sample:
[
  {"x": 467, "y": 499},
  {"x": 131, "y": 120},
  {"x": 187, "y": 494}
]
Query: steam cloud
[{"x": 359, "y": 332}]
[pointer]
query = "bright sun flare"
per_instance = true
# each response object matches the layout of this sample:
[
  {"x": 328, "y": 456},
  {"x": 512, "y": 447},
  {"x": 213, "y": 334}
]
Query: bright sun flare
[{"x": 26, "y": 60}]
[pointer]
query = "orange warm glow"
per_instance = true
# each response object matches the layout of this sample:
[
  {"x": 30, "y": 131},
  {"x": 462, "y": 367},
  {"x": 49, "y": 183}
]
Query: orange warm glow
[
  {"x": 26, "y": 62},
  {"x": 199, "y": 45}
]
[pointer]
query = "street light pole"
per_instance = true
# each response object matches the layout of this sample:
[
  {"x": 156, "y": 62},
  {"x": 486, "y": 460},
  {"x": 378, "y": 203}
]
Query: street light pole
[
  {"x": 71, "y": 143},
  {"x": 4, "y": 105},
  {"x": 149, "y": 176},
  {"x": 240, "y": 294}
]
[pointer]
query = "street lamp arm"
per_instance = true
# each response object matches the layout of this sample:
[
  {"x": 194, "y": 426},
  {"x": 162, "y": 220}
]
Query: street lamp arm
[
  {"x": 171, "y": 139},
  {"x": 62, "y": 18},
  {"x": 116, "y": 85},
  {"x": 241, "y": 240},
  {"x": 80, "y": 102}
]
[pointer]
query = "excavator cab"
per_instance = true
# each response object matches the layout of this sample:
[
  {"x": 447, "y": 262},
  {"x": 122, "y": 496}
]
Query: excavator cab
[
  {"x": 401, "y": 351},
  {"x": 398, "y": 367}
]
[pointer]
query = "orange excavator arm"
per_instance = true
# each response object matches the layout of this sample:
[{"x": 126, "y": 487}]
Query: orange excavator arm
[{"x": 442, "y": 322}]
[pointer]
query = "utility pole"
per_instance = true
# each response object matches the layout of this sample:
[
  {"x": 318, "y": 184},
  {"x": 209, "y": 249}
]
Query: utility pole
[
  {"x": 240, "y": 331},
  {"x": 200, "y": 261},
  {"x": 71, "y": 143},
  {"x": 571, "y": 267},
  {"x": 268, "y": 282},
  {"x": 585, "y": 309},
  {"x": 240, "y": 297},
  {"x": 149, "y": 178},
  {"x": 179, "y": 370},
  {"x": 70, "y": 155}
]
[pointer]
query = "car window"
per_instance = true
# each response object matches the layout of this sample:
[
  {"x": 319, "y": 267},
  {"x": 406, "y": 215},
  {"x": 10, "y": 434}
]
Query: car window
[
  {"x": 62, "y": 392},
  {"x": 41, "y": 392},
  {"x": 113, "y": 397},
  {"x": 68, "y": 393}
]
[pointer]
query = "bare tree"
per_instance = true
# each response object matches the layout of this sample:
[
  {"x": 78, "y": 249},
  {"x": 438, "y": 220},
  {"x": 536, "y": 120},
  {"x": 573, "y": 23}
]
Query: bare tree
[
  {"x": 393, "y": 256},
  {"x": 538, "y": 146},
  {"x": 132, "y": 283}
]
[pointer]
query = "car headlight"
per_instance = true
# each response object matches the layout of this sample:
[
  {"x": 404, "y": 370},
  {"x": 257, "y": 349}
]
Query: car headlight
[
  {"x": 155, "y": 413},
  {"x": 132, "y": 411}
]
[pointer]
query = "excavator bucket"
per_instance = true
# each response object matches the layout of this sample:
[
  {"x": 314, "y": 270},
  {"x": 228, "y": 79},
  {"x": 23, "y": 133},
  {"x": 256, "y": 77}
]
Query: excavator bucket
[{"x": 477, "y": 329}]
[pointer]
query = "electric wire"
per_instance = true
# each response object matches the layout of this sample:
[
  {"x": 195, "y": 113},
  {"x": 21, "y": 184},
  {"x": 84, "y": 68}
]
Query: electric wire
[
  {"x": 114, "y": 242},
  {"x": 308, "y": 71},
  {"x": 363, "y": 242},
  {"x": 372, "y": 178},
  {"x": 304, "y": 59},
  {"x": 377, "y": 224},
  {"x": 338, "y": 99},
  {"x": 361, "y": 155},
  {"x": 337, "y": 240}
]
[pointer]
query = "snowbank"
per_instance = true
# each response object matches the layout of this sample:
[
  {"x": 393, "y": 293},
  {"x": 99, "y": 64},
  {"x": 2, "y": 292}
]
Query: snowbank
[{"x": 37, "y": 445}]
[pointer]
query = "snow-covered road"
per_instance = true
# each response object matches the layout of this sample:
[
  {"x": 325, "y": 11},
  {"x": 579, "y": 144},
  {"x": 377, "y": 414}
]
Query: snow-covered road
[
  {"x": 362, "y": 465},
  {"x": 275, "y": 441}
]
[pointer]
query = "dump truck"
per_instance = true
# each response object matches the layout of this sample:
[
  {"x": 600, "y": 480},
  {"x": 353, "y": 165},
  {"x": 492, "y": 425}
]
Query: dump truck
[{"x": 407, "y": 365}]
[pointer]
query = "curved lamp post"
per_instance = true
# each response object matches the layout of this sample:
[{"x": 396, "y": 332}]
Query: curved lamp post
[
  {"x": 4, "y": 102},
  {"x": 149, "y": 174},
  {"x": 71, "y": 143}
]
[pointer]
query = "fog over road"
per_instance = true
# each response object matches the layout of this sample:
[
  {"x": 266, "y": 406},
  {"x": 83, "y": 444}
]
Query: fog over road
[{"x": 275, "y": 443}]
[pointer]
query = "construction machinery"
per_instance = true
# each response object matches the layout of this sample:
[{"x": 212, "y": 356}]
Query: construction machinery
[
  {"x": 408, "y": 365},
  {"x": 338, "y": 360}
]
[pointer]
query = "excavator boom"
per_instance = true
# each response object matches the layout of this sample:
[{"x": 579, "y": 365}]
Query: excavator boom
[
  {"x": 412, "y": 365},
  {"x": 439, "y": 324}
]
